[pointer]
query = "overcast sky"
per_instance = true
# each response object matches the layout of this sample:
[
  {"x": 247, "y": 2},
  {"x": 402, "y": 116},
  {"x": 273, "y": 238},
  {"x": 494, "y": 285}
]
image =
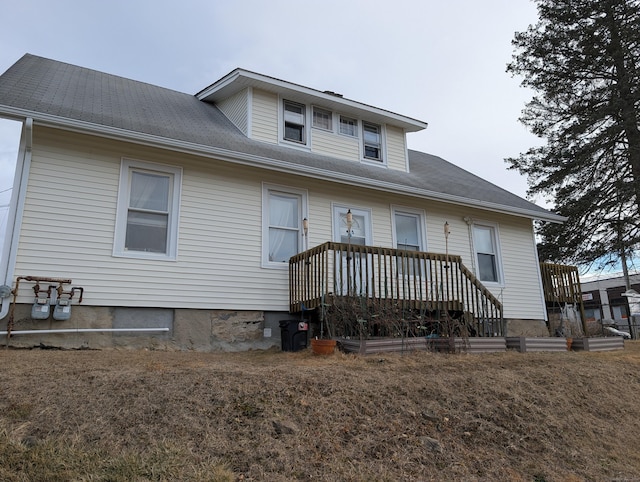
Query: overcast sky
[{"x": 442, "y": 62}]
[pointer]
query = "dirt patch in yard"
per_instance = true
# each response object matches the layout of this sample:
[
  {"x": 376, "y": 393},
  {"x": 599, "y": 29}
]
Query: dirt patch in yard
[{"x": 150, "y": 415}]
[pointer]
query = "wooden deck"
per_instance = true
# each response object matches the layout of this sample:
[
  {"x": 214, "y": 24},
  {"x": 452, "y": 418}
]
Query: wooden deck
[
  {"x": 370, "y": 285},
  {"x": 561, "y": 284}
]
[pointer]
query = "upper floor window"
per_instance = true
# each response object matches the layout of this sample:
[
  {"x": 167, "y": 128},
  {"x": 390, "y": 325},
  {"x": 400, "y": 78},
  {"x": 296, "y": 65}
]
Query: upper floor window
[
  {"x": 322, "y": 119},
  {"x": 348, "y": 126},
  {"x": 147, "y": 214},
  {"x": 372, "y": 134},
  {"x": 485, "y": 243},
  {"x": 294, "y": 122}
]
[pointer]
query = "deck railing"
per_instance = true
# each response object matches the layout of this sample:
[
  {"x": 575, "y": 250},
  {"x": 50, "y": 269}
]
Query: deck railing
[
  {"x": 412, "y": 280},
  {"x": 561, "y": 284}
]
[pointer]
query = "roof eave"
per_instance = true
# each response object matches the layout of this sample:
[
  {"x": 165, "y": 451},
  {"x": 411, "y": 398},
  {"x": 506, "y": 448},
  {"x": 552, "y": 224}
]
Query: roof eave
[
  {"x": 239, "y": 79},
  {"x": 84, "y": 127}
]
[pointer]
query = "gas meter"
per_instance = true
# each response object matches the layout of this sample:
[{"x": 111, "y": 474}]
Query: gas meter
[
  {"x": 62, "y": 310},
  {"x": 40, "y": 308}
]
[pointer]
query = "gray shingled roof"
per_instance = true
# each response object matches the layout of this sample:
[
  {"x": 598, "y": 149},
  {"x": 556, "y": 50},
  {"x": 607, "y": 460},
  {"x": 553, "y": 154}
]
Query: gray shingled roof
[{"x": 57, "y": 93}]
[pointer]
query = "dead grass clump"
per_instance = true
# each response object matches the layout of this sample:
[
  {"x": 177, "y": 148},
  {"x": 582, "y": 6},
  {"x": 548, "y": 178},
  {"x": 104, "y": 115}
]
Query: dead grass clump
[
  {"x": 111, "y": 415},
  {"x": 51, "y": 460}
]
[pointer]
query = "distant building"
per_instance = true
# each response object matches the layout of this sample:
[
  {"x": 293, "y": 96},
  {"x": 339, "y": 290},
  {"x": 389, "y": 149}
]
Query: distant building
[{"x": 603, "y": 300}]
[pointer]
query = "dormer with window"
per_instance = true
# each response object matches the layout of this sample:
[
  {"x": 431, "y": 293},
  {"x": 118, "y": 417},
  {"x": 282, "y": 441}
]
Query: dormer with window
[{"x": 279, "y": 112}]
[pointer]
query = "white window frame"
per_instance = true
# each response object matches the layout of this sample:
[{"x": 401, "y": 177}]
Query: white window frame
[
  {"x": 382, "y": 157},
  {"x": 127, "y": 167},
  {"x": 305, "y": 130},
  {"x": 322, "y": 111},
  {"x": 420, "y": 216},
  {"x": 355, "y": 126},
  {"x": 303, "y": 195},
  {"x": 495, "y": 235}
]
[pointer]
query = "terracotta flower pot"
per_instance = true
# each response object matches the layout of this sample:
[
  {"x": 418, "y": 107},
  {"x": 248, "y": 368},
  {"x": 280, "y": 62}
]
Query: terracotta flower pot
[{"x": 323, "y": 347}]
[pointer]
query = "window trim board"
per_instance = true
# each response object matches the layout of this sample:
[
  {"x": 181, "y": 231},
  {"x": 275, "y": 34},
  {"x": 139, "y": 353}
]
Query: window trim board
[
  {"x": 267, "y": 187},
  {"x": 128, "y": 165},
  {"x": 422, "y": 228},
  {"x": 498, "y": 254}
]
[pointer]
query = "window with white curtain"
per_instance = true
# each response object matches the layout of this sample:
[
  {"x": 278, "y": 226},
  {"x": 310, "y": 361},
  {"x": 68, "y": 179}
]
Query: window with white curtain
[
  {"x": 282, "y": 212},
  {"x": 147, "y": 213},
  {"x": 322, "y": 119},
  {"x": 485, "y": 243},
  {"x": 348, "y": 126}
]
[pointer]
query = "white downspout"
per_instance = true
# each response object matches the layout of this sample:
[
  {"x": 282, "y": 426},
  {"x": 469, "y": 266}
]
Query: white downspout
[{"x": 16, "y": 209}]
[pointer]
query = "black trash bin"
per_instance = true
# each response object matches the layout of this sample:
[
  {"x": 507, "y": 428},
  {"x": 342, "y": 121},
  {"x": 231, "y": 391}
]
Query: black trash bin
[{"x": 293, "y": 334}]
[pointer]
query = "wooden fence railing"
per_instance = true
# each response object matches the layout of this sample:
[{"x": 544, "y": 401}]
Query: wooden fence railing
[
  {"x": 411, "y": 279},
  {"x": 561, "y": 284}
]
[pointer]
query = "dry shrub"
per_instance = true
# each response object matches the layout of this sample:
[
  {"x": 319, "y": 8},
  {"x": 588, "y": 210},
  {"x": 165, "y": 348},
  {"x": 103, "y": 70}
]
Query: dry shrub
[{"x": 139, "y": 415}]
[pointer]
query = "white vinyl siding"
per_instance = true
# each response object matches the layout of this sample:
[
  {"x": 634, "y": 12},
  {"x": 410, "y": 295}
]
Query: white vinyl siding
[
  {"x": 521, "y": 294},
  {"x": 264, "y": 116},
  {"x": 70, "y": 213},
  {"x": 236, "y": 108},
  {"x": 396, "y": 148},
  {"x": 69, "y": 226},
  {"x": 333, "y": 145}
]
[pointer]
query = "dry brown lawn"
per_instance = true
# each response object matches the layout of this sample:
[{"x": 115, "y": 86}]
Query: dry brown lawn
[{"x": 273, "y": 416}]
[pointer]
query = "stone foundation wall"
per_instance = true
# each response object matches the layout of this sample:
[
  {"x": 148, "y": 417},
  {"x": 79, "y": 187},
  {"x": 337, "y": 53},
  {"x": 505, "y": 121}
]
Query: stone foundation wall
[
  {"x": 184, "y": 329},
  {"x": 517, "y": 327},
  {"x": 197, "y": 330}
]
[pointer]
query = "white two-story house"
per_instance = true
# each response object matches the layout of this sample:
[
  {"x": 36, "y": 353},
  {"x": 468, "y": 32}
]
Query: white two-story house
[{"x": 181, "y": 213}]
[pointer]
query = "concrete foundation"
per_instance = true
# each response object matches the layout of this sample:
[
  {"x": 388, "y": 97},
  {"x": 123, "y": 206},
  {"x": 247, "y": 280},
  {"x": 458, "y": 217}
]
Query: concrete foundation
[
  {"x": 198, "y": 330},
  {"x": 517, "y": 327}
]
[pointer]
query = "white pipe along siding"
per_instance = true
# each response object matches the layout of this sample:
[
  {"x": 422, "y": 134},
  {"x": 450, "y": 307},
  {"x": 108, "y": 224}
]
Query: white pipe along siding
[
  {"x": 81, "y": 330},
  {"x": 16, "y": 208}
]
